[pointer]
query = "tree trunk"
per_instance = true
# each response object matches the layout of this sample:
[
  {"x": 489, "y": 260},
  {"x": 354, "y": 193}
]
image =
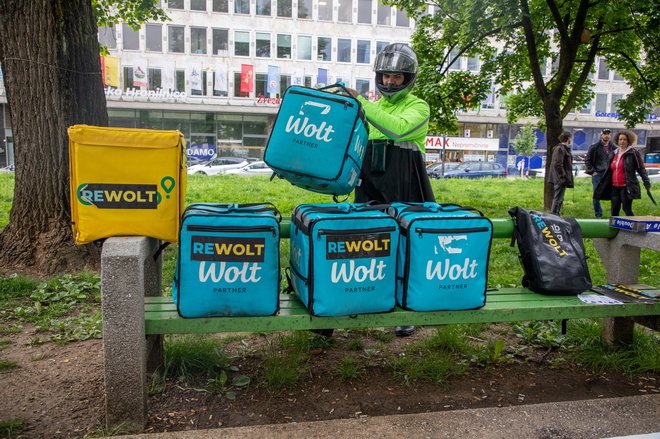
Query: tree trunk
[
  {"x": 554, "y": 127},
  {"x": 50, "y": 58}
]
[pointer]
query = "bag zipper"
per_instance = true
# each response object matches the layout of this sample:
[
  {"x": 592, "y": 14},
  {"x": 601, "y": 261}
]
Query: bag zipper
[
  {"x": 353, "y": 231},
  {"x": 328, "y": 98},
  {"x": 421, "y": 230},
  {"x": 230, "y": 229}
]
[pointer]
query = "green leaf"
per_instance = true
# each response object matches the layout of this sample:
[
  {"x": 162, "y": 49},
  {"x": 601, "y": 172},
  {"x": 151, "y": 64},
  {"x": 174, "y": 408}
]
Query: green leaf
[{"x": 240, "y": 381}]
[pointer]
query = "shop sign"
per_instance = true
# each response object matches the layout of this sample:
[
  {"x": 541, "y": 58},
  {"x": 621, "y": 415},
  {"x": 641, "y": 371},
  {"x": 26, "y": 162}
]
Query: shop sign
[
  {"x": 159, "y": 93},
  {"x": 620, "y": 116},
  {"x": 462, "y": 143}
]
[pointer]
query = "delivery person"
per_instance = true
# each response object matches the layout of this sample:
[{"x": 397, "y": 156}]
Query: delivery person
[{"x": 394, "y": 168}]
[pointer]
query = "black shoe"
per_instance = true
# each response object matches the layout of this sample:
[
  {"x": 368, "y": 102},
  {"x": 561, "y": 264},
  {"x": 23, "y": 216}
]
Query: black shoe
[
  {"x": 599, "y": 216},
  {"x": 404, "y": 331}
]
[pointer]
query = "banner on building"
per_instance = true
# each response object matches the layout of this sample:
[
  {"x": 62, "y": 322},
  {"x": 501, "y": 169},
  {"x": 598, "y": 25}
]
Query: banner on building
[
  {"x": 168, "y": 75},
  {"x": 140, "y": 78},
  {"x": 220, "y": 83},
  {"x": 110, "y": 69},
  {"x": 322, "y": 77},
  {"x": 196, "y": 78},
  {"x": 273, "y": 86},
  {"x": 298, "y": 79},
  {"x": 247, "y": 78}
]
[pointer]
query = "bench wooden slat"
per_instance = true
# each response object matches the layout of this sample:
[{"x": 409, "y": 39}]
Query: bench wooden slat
[{"x": 503, "y": 305}]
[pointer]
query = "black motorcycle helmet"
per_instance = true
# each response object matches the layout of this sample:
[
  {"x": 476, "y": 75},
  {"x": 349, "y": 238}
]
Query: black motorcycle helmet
[{"x": 396, "y": 58}]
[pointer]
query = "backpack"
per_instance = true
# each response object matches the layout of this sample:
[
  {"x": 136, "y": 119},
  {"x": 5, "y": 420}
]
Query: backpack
[
  {"x": 443, "y": 256},
  {"x": 551, "y": 252},
  {"x": 318, "y": 140}
]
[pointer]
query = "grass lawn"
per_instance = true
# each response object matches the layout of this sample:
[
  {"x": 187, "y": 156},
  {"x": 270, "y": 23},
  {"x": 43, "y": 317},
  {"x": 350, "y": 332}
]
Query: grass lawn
[{"x": 492, "y": 196}]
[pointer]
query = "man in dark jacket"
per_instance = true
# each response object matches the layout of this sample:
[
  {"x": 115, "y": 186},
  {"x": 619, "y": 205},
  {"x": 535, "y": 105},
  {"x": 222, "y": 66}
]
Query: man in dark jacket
[
  {"x": 561, "y": 170},
  {"x": 596, "y": 163}
]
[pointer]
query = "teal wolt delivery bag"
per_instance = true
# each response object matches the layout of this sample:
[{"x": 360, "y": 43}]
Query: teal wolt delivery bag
[
  {"x": 343, "y": 258},
  {"x": 229, "y": 261},
  {"x": 443, "y": 256},
  {"x": 318, "y": 140}
]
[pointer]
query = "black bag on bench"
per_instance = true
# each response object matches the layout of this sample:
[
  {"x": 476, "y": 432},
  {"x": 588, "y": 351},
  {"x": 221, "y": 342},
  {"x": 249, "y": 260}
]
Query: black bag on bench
[{"x": 551, "y": 252}]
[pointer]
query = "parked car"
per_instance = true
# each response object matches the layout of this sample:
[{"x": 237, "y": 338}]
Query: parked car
[
  {"x": 254, "y": 168},
  {"x": 9, "y": 168},
  {"x": 217, "y": 166},
  {"x": 434, "y": 170},
  {"x": 578, "y": 171},
  {"x": 654, "y": 174},
  {"x": 477, "y": 170}
]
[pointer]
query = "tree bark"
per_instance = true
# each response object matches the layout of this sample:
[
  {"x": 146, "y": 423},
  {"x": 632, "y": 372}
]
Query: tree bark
[
  {"x": 50, "y": 57},
  {"x": 554, "y": 127}
]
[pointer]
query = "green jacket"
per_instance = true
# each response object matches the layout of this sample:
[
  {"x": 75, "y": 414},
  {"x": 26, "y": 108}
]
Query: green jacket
[{"x": 405, "y": 122}]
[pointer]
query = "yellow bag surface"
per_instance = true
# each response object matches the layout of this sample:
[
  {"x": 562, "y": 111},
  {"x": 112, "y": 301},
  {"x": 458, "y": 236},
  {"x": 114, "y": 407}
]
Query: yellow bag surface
[{"x": 126, "y": 182}]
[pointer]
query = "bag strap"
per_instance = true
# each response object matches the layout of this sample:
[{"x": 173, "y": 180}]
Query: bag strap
[
  {"x": 288, "y": 289},
  {"x": 160, "y": 249}
]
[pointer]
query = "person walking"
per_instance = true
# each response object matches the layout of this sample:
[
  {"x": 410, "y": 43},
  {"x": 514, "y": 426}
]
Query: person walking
[
  {"x": 561, "y": 170},
  {"x": 619, "y": 183},
  {"x": 394, "y": 168},
  {"x": 596, "y": 163}
]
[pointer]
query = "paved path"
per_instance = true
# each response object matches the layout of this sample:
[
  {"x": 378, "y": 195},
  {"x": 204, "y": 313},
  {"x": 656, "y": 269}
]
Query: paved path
[{"x": 595, "y": 418}]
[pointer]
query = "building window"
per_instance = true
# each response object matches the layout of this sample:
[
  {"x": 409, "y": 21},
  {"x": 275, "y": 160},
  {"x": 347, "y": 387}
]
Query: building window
[
  {"x": 283, "y": 46},
  {"x": 107, "y": 37},
  {"x": 175, "y": 4},
  {"x": 198, "y": 5},
  {"x": 380, "y": 45},
  {"x": 586, "y": 109},
  {"x": 325, "y": 9},
  {"x": 615, "y": 99},
  {"x": 603, "y": 71},
  {"x": 285, "y": 82},
  {"x": 220, "y": 5},
  {"x": 284, "y": 8},
  {"x": 384, "y": 15},
  {"x": 154, "y": 37},
  {"x": 180, "y": 82},
  {"x": 305, "y": 9},
  {"x": 473, "y": 64},
  {"x": 175, "y": 37},
  {"x": 263, "y": 7},
  {"x": 617, "y": 77},
  {"x": 402, "y": 19},
  {"x": 304, "y": 48},
  {"x": 218, "y": 92},
  {"x": 242, "y": 6},
  {"x": 343, "y": 50},
  {"x": 345, "y": 11},
  {"x": 201, "y": 92},
  {"x": 454, "y": 60},
  {"x": 221, "y": 42},
  {"x": 128, "y": 77},
  {"x": 324, "y": 49},
  {"x": 261, "y": 84},
  {"x": 154, "y": 78},
  {"x": 198, "y": 40},
  {"x": 601, "y": 102},
  {"x": 131, "y": 38},
  {"x": 362, "y": 87},
  {"x": 364, "y": 52},
  {"x": 241, "y": 43},
  {"x": 364, "y": 11},
  {"x": 263, "y": 45}
]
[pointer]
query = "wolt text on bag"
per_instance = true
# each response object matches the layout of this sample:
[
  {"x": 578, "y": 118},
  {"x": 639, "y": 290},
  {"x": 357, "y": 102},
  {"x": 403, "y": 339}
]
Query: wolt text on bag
[
  {"x": 126, "y": 182},
  {"x": 343, "y": 258},
  {"x": 318, "y": 140},
  {"x": 229, "y": 261},
  {"x": 551, "y": 252},
  {"x": 443, "y": 256}
]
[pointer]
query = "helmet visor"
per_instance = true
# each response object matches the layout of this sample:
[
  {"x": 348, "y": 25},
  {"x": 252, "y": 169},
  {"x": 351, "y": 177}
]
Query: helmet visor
[{"x": 395, "y": 62}]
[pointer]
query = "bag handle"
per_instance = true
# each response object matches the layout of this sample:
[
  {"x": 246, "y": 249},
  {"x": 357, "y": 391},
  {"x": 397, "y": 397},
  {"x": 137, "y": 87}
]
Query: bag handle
[{"x": 340, "y": 86}]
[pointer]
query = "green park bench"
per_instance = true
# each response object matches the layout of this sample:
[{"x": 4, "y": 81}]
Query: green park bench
[{"x": 136, "y": 315}]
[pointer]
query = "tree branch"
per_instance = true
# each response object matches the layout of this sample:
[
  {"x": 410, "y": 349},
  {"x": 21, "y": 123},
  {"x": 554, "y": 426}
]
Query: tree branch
[
  {"x": 531, "y": 47},
  {"x": 558, "y": 21},
  {"x": 613, "y": 31},
  {"x": 631, "y": 61},
  {"x": 584, "y": 74}
]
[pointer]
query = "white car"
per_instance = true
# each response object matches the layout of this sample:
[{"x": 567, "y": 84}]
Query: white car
[
  {"x": 254, "y": 168},
  {"x": 578, "y": 171},
  {"x": 217, "y": 166}
]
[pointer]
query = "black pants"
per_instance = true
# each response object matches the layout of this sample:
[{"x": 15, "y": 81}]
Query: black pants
[
  {"x": 557, "y": 197},
  {"x": 620, "y": 199}
]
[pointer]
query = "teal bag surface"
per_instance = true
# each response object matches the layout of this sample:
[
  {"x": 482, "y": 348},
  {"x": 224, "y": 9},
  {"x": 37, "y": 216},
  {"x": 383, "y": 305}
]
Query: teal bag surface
[
  {"x": 443, "y": 256},
  {"x": 343, "y": 258},
  {"x": 318, "y": 140},
  {"x": 228, "y": 262}
]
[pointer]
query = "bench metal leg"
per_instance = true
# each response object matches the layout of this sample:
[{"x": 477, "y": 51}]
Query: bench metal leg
[{"x": 127, "y": 274}]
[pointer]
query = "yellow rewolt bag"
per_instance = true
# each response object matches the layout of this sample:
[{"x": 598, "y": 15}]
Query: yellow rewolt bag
[{"x": 126, "y": 182}]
